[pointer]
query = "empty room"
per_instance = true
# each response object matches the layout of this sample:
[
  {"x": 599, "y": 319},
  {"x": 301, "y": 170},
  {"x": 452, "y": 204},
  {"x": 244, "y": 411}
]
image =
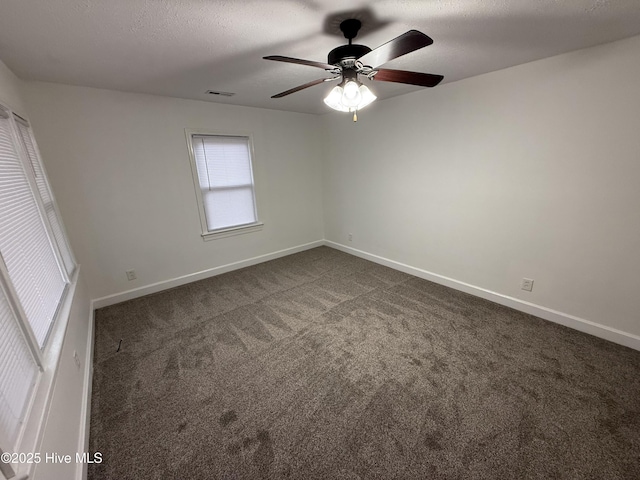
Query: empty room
[{"x": 319, "y": 239}]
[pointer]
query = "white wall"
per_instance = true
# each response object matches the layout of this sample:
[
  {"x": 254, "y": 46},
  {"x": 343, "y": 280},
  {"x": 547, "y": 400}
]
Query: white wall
[
  {"x": 119, "y": 165},
  {"x": 62, "y": 431},
  {"x": 10, "y": 90},
  {"x": 532, "y": 171}
]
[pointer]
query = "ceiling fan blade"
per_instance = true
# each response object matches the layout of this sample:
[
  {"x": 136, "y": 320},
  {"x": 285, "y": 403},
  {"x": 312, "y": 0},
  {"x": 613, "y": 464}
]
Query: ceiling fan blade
[
  {"x": 302, "y": 87},
  {"x": 406, "y": 43},
  {"x": 311, "y": 63},
  {"x": 412, "y": 78}
]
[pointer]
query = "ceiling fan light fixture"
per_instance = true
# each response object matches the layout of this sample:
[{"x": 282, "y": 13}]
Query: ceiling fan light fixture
[{"x": 350, "y": 97}]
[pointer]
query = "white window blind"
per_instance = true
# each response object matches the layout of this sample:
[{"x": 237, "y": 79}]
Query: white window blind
[
  {"x": 18, "y": 375},
  {"x": 25, "y": 246},
  {"x": 46, "y": 195},
  {"x": 226, "y": 180}
]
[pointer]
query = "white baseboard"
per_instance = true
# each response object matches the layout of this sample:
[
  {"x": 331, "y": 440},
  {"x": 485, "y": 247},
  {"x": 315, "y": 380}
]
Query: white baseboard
[
  {"x": 193, "y": 277},
  {"x": 83, "y": 442},
  {"x": 617, "y": 336}
]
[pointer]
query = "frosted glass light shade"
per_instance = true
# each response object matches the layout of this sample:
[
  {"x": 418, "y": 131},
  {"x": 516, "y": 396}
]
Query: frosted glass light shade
[
  {"x": 366, "y": 97},
  {"x": 350, "y": 98},
  {"x": 334, "y": 99}
]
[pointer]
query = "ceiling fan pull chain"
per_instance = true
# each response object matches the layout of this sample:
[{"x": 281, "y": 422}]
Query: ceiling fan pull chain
[{"x": 355, "y": 115}]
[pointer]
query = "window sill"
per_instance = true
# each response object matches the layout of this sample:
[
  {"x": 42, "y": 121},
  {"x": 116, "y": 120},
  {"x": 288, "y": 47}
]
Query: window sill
[{"x": 230, "y": 232}]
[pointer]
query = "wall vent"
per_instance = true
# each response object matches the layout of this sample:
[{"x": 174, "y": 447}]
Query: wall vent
[{"x": 221, "y": 94}]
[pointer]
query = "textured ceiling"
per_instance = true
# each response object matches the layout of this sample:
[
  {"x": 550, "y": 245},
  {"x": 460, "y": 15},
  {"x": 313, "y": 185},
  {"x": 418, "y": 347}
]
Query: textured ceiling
[{"x": 182, "y": 48}]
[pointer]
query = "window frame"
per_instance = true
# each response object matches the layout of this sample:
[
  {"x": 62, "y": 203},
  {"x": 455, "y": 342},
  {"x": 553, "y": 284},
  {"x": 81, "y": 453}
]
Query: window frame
[
  {"x": 226, "y": 231},
  {"x": 45, "y": 357}
]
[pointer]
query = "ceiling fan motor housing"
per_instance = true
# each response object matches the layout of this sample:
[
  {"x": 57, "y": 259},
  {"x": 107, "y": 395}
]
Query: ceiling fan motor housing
[{"x": 347, "y": 52}]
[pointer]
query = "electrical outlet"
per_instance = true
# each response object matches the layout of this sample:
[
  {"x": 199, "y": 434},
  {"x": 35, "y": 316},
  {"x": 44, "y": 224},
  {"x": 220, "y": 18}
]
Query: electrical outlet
[
  {"x": 76, "y": 358},
  {"x": 351, "y": 237},
  {"x": 527, "y": 284},
  {"x": 131, "y": 275}
]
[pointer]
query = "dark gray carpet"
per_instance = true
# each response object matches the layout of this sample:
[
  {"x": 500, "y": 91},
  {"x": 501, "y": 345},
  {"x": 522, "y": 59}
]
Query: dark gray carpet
[{"x": 323, "y": 365}]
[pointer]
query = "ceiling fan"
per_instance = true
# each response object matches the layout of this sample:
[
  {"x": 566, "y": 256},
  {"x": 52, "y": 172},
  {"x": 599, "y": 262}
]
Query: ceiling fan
[{"x": 347, "y": 62}]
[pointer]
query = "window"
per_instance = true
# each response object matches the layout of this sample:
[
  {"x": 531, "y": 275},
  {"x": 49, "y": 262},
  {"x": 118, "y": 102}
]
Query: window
[
  {"x": 18, "y": 374},
  {"x": 224, "y": 183},
  {"x": 45, "y": 194},
  {"x": 35, "y": 268}
]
